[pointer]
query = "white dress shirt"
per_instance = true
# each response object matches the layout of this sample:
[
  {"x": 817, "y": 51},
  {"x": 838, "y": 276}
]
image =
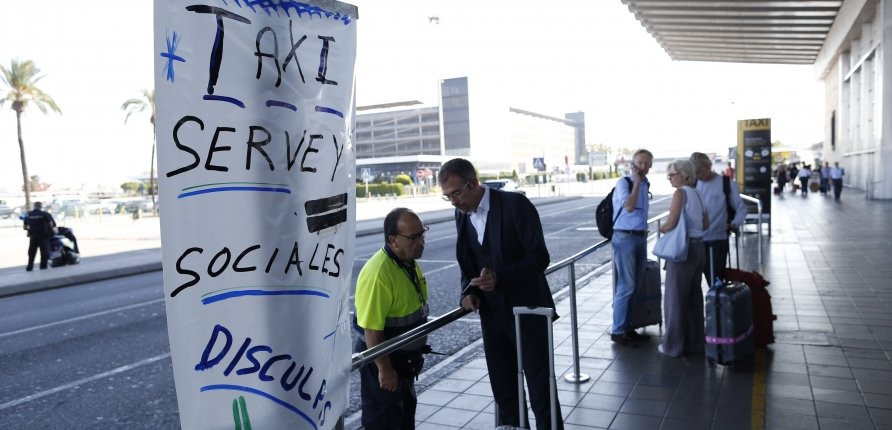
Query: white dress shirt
[{"x": 478, "y": 217}]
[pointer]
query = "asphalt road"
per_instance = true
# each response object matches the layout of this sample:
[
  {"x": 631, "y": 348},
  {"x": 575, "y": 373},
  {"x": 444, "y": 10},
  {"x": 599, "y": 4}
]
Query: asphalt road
[{"x": 97, "y": 355}]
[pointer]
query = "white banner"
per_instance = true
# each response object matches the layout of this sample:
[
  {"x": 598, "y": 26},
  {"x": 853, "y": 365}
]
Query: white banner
[{"x": 255, "y": 114}]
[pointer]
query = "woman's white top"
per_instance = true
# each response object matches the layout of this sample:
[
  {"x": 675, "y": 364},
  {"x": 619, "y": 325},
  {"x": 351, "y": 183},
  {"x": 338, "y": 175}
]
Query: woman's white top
[{"x": 693, "y": 212}]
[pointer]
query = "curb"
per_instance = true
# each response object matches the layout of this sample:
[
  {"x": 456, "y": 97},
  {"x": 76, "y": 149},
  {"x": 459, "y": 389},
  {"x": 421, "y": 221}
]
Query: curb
[{"x": 82, "y": 278}]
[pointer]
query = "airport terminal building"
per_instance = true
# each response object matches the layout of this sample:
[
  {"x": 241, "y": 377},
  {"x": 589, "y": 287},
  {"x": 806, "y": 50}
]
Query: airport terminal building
[{"x": 469, "y": 121}]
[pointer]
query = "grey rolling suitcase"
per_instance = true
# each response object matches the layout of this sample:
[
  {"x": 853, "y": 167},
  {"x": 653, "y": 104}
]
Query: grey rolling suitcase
[
  {"x": 729, "y": 324},
  {"x": 548, "y": 313},
  {"x": 647, "y": 306}
]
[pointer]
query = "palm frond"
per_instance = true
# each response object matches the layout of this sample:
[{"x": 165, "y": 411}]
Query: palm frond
[
  {"x": 140, "y": 104},
  {"x": 20, "y": 87}
]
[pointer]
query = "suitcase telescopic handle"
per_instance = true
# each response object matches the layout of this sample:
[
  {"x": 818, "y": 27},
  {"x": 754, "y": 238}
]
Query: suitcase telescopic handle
[
  {"x": 533, "y": 310},
  {"x": 548, "y": 313}
]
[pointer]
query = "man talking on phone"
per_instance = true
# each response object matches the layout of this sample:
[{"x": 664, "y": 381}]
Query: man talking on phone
[{"x": 630, "y": 206}]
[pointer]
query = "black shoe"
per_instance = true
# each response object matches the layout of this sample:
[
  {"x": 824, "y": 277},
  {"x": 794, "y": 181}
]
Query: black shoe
[
  {"x": 634, "y": 335},
  {"x": 622, "y": 339},
  {"x": 28, "y": 269}
]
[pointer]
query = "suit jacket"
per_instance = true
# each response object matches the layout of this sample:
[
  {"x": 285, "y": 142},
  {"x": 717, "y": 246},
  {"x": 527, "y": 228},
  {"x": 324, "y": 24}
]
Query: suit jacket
[{"x": 517, "y": 252}]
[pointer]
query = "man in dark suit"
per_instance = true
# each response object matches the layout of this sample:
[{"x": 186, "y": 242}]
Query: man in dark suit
[{"x": 502, "y": 255}]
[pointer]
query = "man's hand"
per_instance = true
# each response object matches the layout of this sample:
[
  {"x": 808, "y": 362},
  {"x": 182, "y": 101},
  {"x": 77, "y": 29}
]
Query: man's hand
[
  {"x": 387, "y": 378},
  {"x": 733, "y": 229},
  {"x": 470, "y": 303},
  {"x": 486, "y": 281}
]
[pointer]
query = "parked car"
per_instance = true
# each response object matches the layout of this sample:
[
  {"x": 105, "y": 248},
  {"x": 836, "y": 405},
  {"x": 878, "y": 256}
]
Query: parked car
[
  {"x": 8, "y": 212},
  {"x": 504, "y": 185},
  {"x": 104, "y": 206},
  {"x": 135, "y": 206}
]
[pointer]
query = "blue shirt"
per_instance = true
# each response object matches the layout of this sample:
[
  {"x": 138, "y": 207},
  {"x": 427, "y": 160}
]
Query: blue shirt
[
  {"x": 637, "y": 219},
  {"x": 837, "y": 172}
]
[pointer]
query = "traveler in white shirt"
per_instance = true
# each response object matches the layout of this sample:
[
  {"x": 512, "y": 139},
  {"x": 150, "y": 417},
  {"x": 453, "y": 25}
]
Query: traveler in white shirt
[
  {"x": 836, "y": 174},
  {"x": 721, "y": 222}
]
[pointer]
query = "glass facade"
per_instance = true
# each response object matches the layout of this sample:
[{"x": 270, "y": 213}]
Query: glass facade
[
  {"x": 456, "y": 117},
  {"x": 398, "y": 133}
]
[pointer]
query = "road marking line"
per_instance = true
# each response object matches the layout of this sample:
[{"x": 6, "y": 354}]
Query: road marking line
[
  {"x": 82, "y": 317},
  {"x": 114, "y": 371},
  {"x": 440, "y": 269}
]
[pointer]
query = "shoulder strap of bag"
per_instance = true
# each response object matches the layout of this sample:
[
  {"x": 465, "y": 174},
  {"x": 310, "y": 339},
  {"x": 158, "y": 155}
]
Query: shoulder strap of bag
[
  {"x": 726, "y": 188},
  {"x": 620, "y": 212}
]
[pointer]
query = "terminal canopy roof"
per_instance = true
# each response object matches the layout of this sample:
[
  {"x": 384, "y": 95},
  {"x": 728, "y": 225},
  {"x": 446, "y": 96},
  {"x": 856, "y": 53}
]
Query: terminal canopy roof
[{"x": 738, "y": 31}]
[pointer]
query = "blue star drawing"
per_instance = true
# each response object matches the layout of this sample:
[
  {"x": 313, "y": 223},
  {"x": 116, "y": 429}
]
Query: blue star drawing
[{"x": 172, "y": 44}]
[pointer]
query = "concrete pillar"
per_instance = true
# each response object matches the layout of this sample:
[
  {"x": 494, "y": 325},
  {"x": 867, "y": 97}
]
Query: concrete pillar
[{"x": 883, "y": 189}]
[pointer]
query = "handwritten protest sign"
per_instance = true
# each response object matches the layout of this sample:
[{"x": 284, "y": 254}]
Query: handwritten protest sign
[{"x": 255, "y": 113}]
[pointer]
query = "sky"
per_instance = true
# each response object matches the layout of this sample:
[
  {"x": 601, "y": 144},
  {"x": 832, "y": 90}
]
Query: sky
[{"x": 572, "y": 55}]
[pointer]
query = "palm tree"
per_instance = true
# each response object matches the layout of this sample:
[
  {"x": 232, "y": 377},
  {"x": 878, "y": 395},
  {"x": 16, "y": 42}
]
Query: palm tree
[
  {"x": 142, "y": 104},
  {"x": 20, "y": 82}
]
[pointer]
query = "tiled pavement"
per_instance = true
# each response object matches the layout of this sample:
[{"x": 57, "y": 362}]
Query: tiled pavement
[{"x": 830, "y": 268}]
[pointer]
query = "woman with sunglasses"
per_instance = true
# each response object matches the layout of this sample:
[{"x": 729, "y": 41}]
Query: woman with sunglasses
[{"x": 683, "y": 301}]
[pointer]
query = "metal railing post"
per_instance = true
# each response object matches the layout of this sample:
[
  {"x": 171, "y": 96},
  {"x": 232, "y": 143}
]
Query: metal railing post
[
  {"x": 758, "y": 204},
  {"x": 759, "y": 231},
  {"x": 576, "y": 376}
]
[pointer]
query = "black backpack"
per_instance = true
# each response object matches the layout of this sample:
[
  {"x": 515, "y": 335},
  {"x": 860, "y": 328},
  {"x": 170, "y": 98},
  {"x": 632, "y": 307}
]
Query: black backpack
[{"x": 604, "y": 213}]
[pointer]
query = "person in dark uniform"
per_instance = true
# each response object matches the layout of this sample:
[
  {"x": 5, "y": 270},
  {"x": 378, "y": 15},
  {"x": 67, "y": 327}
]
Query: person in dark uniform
[
  {"x": 39, "y": 225},
  {"x": 502, "y": 256},
  {"x": 391, "y": 299}
]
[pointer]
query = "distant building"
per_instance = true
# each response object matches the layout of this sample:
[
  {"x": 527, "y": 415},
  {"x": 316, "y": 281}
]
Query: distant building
[{"x": 408, "y": 137}]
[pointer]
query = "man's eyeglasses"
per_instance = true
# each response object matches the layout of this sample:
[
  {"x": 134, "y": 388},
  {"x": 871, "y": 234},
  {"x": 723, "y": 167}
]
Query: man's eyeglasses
[
  {"x": 417, "y": 236},
  {"x": 456, "y": 193},
  {"x": 670, "y": 175}
]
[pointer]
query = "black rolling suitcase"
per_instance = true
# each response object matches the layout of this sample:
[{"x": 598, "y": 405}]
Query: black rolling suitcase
[
  {"x": 647, "y": 306},
  {"x": 729, "y": 323}
]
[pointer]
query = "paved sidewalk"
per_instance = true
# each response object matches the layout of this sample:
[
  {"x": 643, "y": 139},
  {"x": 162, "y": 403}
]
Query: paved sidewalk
[{"x": 829, "y": 265}]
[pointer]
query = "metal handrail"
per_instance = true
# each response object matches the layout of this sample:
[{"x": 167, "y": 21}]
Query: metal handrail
[
  {"x": 360, "y": 359},
  {"x": 365, "y": 357},
  {"x": 758, "y": 203}
]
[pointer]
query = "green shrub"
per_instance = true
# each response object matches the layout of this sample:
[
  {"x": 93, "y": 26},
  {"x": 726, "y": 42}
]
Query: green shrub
[
  {"x": 379, "y": 190},
  {"x": 402, "y": 179}
]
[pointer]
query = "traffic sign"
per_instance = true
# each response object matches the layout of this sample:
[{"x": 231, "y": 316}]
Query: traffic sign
[{"x": 539, "y": 163}]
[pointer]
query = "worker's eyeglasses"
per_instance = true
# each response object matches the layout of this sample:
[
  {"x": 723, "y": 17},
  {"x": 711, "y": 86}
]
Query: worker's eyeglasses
[
  {"x": 456, "y": 193},
  {"x": 670, "y": 175},
  {"x": 417, "y": 236}
]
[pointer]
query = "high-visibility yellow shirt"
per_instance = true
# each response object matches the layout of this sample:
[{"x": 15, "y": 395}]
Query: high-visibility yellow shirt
[{"x": 385, "y": 296}]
